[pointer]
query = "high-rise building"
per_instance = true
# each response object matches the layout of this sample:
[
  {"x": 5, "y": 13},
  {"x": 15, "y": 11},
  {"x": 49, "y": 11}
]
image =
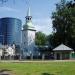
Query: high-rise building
[{"x": 10, "y": 31}]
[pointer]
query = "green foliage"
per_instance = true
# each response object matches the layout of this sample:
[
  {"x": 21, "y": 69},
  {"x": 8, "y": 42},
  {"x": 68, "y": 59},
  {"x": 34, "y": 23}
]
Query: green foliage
[
  {"x": 40, "y": 38},
  {"x": 53, "y": 41},
  {"x": 64, "y": 24}
]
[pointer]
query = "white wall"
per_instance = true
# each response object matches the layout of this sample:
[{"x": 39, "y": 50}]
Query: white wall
[
  {"x": 28, "y": 41},
  {"x": 1, "y": 51},
  {"x": 31, "y": 40},
  {"x": 10, "y": 51}
]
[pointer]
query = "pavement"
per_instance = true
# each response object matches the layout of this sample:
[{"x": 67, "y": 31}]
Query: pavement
[{"x": 25, "y": 61}]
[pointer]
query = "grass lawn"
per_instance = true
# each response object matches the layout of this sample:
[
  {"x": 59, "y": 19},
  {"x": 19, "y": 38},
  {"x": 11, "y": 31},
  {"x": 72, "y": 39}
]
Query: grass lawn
[{"x": 39, "y": 68}]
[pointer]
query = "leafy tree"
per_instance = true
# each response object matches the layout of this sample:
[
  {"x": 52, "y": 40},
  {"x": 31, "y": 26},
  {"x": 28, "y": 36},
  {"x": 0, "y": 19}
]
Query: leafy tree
[
  {"x": 4, "y": 1},
  {"x": 64, "y": 24},
  {"x": 50, "y": 40},
  {"x": 40, "y": 39}
]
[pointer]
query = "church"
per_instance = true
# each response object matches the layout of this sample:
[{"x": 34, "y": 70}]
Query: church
[{"x": 28, "y": 37}]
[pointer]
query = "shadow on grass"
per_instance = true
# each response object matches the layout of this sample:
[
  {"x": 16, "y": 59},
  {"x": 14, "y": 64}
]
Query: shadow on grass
[
  {"x": 46, "y": 74},
  {"x": 4, "y": 72}
]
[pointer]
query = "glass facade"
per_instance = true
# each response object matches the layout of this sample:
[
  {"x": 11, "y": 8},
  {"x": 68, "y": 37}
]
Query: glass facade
[{"x": 10, "y": 31}]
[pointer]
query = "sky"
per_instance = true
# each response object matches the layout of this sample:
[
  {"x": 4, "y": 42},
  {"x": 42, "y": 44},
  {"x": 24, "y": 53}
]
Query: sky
[{"x": 41, "y": 11}]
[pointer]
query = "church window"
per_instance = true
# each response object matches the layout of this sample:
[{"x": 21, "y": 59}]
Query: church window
[{"x": 28, "y": 18}]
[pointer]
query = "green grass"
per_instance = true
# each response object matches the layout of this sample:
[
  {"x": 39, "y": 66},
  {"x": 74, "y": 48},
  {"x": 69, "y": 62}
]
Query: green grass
[{"x": 40, "y": 68}]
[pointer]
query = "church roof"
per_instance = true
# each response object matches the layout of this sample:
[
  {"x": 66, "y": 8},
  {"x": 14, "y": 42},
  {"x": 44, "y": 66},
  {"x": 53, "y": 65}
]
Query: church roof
[
  {"x": 62, "y": 47},
  {"x": 28, "y": 25}
]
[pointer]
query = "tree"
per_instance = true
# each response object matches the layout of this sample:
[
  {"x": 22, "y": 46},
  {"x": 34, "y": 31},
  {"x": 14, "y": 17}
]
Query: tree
[
  {"x": 40, "y": 39},
  {"x": 3, "y": 0},
  {"x": 14, "y": 1},
  {"x": 64, "y": 24},
  {"x": 50, "y": 40}
]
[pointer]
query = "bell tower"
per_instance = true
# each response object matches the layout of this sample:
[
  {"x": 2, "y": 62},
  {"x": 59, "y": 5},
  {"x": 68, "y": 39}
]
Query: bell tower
[{"x": 28, "y": 36}]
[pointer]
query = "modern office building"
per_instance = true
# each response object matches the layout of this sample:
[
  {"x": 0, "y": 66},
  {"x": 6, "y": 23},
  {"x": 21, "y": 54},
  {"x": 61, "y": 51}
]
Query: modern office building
[{"x": 10, "y": 31}]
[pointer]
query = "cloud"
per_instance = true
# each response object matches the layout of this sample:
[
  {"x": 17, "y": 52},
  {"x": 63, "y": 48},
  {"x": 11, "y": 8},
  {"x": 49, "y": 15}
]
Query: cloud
[
  {"x": 9, "y": 12},
  {"x": 45, "y": 29},
  {"x": 5, "y": 8},
  {"x": 44, "y": 25}
]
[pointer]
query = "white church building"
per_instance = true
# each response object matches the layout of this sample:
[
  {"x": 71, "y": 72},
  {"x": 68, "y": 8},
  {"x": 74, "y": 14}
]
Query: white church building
[{"x": 28, "y": 36}]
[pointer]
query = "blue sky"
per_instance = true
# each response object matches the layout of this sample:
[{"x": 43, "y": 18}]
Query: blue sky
[{"x": 41, "y": 11}]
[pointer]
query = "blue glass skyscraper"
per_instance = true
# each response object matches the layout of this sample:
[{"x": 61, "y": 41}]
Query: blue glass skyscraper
[{"x": 10, "y": 31}]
